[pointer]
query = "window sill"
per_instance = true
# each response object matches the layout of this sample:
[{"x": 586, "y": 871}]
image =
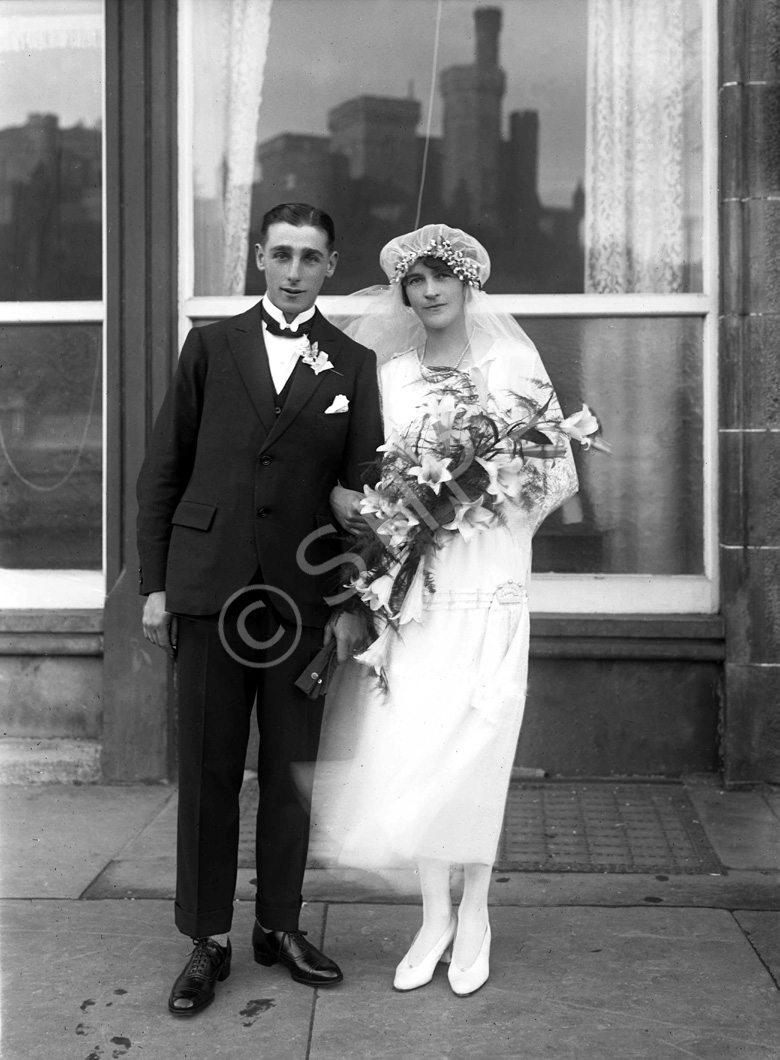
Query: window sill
[
  {"x": 51, "y": 632},
  {"x": 629, "y": 636}
]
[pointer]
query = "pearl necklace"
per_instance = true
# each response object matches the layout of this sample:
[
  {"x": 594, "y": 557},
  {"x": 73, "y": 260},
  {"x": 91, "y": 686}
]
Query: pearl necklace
[{"x": 450, "y": 367}]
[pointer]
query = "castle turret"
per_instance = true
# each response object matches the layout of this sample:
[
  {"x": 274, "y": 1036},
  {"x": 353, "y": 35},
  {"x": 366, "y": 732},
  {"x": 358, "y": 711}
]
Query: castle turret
[{"x": 472, "y": 98}]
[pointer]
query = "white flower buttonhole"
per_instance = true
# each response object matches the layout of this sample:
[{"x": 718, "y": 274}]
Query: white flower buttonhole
[{"x": 316, "y": 360}]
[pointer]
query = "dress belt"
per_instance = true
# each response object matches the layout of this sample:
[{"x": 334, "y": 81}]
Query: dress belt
[{"x": 507, "y": 594}]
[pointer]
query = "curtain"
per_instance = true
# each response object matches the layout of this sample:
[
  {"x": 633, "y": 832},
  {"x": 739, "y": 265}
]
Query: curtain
[
  {"x": 643, "y": 234},
  {"x": 635, "y": 154},
  {"x": 233, "y": 34}
]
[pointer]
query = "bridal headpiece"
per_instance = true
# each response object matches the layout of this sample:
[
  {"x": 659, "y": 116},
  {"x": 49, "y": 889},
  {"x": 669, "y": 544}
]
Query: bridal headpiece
[
  {"x": 467, "y": 258},
  {"x": 377, "y": 318}
]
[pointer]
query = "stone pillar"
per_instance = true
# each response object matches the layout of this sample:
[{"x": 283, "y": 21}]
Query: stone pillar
[
  {"x": 750, "y": 386},
  {"x": 141, "y": 353}
]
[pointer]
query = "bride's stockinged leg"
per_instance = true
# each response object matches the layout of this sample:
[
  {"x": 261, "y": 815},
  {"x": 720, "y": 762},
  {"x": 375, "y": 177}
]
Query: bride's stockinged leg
[
  {"x": 434, "y": 939},
  {"x": 472, "y": 914},
  {"x": 437, "y": 906}
]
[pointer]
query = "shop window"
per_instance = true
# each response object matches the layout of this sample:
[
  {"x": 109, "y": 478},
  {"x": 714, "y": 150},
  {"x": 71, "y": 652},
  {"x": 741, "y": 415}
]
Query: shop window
[
  {"x": 51, "y": 302},
  {"x": 575, "y": 138}
]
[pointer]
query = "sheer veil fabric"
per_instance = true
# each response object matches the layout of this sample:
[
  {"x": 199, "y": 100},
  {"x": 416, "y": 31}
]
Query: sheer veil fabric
[
  {"x": 420, "y": 769},
  {"x": 384, "y": 324}
]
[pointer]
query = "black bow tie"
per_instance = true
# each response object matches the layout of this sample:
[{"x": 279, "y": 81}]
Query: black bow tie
[{"x": 284, "y": 333}]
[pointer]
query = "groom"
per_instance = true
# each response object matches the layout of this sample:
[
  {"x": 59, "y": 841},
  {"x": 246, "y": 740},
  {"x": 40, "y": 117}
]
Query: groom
[{"x": 266, "y": 413}]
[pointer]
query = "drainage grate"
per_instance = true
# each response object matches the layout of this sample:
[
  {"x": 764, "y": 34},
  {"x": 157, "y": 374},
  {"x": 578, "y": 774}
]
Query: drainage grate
[
  {"x": 597, "y": 827},
  {"x": 592, "y": 826}
]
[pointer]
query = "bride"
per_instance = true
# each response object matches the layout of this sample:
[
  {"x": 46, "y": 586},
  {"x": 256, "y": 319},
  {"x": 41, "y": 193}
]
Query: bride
[{"x": 430, "y": 765}]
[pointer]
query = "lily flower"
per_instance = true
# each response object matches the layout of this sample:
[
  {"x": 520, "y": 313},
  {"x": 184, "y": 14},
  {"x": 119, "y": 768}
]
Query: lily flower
[
  {"x": 398, "y": 527},
  {"x": 432, "y": 472},
  {"x": 504, "y": 472},
  {"x": 395, "y": 444},
  {"x": 377, "y": 593},
  {"x": 377, "y": 502},
  {"x": 581, "y": 426},
  {"x": 470, "y": 518},
  {"x": 444, "y": 410}
]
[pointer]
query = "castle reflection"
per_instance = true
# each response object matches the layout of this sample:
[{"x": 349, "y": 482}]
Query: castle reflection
[
  {"x": 367, "y": 173},
  {"x": 50, "y": 211}
]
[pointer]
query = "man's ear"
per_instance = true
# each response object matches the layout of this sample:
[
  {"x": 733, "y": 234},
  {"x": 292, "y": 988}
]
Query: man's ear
[
  {"x": 333, "y": 260},
  {"x": 260, "y": 256}
]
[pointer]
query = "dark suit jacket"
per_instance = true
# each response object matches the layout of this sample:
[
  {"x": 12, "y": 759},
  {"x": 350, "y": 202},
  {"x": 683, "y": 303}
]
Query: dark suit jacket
[{"x": 228, "y": 486}]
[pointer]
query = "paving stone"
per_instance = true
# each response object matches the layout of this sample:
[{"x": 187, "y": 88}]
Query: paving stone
[
  {"x": 568, "y": 984},
  {"x": 741, "y": 827},
  {"x": 763, "y": 932},
  {"x": 86, "y": 826},
  {"x": 90, "y": 981}
]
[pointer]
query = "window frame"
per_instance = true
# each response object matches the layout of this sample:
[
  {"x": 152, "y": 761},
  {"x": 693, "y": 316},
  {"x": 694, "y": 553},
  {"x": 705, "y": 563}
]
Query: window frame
[
  {"x": 46, "y": 589},
  {"x": 549, "y": 593}
]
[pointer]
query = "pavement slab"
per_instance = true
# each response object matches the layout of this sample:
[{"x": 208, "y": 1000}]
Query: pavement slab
[
  {"x": 763, "y": 931},
  {"x": 742, "y": 827},
  {"x": 85, "y": 825},
  {"x": 90, "y": 981},
  {"x": 566, "y": 984}
]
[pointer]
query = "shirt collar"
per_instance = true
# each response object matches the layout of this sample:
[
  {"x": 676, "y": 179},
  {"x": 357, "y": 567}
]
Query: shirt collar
[{"x": 279, "y": 317}]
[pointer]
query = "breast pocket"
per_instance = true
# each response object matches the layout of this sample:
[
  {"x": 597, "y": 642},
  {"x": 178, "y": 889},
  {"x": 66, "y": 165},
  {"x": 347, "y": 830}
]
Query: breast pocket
[{"x": 331, "y": 420}]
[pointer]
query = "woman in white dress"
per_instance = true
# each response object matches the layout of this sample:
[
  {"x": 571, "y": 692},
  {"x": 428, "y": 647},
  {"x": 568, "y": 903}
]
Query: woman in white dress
[{"x": 431, "y": 761}]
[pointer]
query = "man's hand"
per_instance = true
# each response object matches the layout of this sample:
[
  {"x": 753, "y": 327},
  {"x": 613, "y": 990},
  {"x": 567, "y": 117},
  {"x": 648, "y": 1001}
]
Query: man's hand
[
  {"x": 160, "y": 626},
  {"x": 350, "y": 632},
  {"x": 344, "y": 505}
]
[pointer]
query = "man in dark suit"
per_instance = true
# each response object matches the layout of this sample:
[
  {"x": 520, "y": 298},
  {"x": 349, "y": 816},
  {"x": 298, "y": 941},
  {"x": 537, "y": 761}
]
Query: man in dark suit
[{"x": 268, "y": 411}]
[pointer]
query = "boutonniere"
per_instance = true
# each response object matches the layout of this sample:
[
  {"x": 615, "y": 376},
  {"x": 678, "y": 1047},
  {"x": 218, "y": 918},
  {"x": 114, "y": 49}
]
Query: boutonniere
[{"x": 316, "y": 360}]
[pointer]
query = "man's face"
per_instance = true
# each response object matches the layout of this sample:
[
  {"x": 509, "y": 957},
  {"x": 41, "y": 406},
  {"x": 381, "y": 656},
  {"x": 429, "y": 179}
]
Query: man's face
[{"x": 295, "y": 261}]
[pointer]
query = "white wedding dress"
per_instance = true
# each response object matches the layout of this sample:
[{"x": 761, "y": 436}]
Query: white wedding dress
[{"x": 422, "y": 769}]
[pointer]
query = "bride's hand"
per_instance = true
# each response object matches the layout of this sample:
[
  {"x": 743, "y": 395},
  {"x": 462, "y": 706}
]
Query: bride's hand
[
  {"x": 350, "y": 632},
  {"x": 344, "y": 505}
]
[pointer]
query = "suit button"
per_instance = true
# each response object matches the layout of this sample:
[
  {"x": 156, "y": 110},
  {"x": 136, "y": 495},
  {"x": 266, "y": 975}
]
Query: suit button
[
  {"x": 261, "y": 512},
  {"x": 277, "y": 411},
  {"x": 265, "y": 460}
]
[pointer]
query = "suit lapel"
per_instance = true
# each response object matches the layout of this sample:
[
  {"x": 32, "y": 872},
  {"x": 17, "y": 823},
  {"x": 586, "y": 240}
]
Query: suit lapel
[
  {"x": 248, "y": 349},
  {"x": 305, "y": 382}
]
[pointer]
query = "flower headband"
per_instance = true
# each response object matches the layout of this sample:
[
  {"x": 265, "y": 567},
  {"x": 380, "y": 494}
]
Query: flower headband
[{"x": 462, "y": 267}]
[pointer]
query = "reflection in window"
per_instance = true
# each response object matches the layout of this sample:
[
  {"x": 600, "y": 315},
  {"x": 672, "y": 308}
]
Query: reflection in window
[
  {"x": 641, "y": 509},
  {"x": 331, "y": 104},
  {"x": 50, "y": 446},
  {"x": 50, "y": 150}
]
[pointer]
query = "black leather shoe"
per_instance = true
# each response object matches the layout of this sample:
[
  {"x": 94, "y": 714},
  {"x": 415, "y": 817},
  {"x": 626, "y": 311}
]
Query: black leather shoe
[
  {"x": 207, "y": 963},
  {"x": 306, "y": 963}
]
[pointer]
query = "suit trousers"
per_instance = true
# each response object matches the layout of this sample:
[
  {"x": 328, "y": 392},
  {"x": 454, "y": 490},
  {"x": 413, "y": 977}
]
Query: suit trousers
[{"x": 216, "y": 693}]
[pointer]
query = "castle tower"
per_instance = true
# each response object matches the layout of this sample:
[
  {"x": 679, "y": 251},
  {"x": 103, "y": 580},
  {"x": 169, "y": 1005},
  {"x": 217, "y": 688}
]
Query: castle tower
[
  {"x": 377, "y": 137},
  {"x": 472, "y": 146},
  {"x": 521, "y": 178}
]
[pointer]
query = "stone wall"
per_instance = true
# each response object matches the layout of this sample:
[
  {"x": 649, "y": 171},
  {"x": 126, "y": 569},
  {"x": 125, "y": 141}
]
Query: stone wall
[{"x": 750, "y": 385}]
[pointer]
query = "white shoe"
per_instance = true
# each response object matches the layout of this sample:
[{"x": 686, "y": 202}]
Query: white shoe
[
  {"x": 410, "y": 977},
  {"x": 465, "y": 981}
]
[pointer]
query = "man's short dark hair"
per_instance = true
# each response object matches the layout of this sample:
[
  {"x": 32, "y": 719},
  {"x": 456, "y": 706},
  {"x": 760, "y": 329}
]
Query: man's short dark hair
[{"x": 299, "y": 214}]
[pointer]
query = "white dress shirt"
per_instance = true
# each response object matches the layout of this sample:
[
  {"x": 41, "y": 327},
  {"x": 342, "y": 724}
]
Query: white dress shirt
[{"x": 282, "y": 353}]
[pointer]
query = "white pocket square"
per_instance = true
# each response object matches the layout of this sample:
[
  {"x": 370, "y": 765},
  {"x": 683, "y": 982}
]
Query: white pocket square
[{"x": 340, "y": 403}]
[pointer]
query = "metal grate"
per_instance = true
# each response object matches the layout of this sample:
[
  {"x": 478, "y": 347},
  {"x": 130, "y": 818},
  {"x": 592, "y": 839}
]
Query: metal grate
[
  {"x": 597, "y": 827},
  {"x": 580, "y": 827}
]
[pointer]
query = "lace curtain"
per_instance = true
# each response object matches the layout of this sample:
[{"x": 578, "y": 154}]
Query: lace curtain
[
  {"x": 643, "y": 234},
  {"x": 635, "y": 176},
  {"x": 234, "y": 34}
]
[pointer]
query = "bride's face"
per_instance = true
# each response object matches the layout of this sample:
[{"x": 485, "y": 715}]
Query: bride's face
[{"x": 436, "y": 296}]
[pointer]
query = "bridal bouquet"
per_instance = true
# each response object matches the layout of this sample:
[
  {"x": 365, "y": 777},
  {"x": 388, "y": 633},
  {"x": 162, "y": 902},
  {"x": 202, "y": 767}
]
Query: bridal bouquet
[{"x": 452, "y": 473}]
